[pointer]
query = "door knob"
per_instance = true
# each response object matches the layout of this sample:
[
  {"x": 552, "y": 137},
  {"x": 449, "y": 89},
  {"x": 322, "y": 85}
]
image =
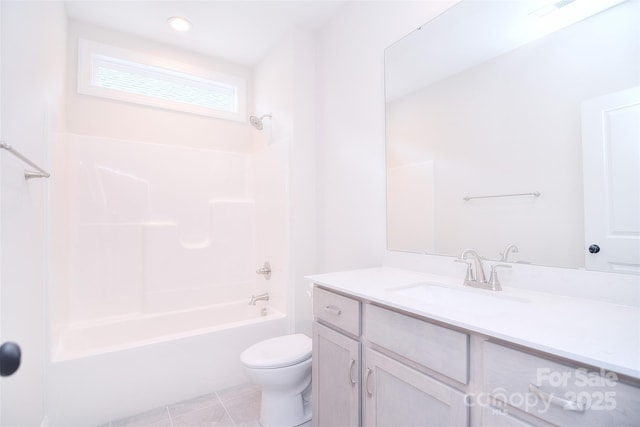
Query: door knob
[
  {"x": 9, "y": 358},
  {"x": 594, "y": 249}
]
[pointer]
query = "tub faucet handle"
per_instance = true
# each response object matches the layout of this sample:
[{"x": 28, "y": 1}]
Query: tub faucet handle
[{"x": 265, "y": 270}]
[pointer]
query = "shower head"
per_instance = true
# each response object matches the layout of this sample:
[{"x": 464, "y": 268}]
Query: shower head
[{"x": 256, "y": 122}]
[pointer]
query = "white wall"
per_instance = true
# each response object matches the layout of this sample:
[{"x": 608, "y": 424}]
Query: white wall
[
  {"x": 303, "y": 210},
  {"x": 270, "y": 179},
  {"x": 351, "y": 149},
  {"x": 285, "y": 86},
  {"x": 90, "y": 115},
  {"x": 32, "y": 90},
  {"x": 272, "y": 95}
]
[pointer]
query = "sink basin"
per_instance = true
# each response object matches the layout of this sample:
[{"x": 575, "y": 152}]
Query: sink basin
[{"x": 466, "y": 299}]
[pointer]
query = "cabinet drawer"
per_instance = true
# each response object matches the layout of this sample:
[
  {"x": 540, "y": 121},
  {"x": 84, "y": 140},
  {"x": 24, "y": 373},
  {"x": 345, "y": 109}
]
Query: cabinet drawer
[
  {"x": 337, "y": 310},
  {"x": 443, "y": 350},
  {"x": 558, "y": 393}
]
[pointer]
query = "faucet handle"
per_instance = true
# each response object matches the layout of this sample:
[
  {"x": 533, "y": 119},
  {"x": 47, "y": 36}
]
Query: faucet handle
[
  {"x": 265, "y": 270},
  {"x": 493, "y": 278},
  {"x": 469, "y": 276}
]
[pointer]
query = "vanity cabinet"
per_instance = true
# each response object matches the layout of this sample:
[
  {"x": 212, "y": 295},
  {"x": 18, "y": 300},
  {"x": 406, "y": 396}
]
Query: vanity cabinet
[
  {"x": 336, "y": 360},
  {"x": 392, "y": 393},
  {"x": 375, "y": 365}
]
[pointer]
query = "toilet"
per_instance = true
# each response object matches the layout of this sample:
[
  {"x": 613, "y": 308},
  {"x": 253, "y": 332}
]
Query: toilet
[{"x": 281, "y": 366}]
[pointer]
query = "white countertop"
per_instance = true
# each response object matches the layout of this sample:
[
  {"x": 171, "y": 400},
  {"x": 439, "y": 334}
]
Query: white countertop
[{"x": 597, "y": 333}]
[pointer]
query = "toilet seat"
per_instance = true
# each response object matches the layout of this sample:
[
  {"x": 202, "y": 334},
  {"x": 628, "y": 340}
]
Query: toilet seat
[{"x": 277, "y": 352}]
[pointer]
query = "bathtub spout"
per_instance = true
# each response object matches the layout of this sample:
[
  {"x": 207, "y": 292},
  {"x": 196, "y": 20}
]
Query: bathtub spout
[{"x": 261, "y": 297}]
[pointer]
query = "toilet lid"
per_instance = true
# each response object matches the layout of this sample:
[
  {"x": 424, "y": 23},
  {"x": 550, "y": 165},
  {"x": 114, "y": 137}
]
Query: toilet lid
[{"x": 277, "y": 352}]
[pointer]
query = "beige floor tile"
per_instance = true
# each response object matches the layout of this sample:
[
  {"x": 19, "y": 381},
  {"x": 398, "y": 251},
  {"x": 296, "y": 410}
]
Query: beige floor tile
[
  {"x": 154, "y": 418},
  {"x": 243, "y": 404},
  {"x": 202, "y": 411}
]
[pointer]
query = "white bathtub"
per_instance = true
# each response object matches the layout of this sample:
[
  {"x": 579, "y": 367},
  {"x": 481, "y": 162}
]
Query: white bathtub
[{"x": 107, "y": 370}]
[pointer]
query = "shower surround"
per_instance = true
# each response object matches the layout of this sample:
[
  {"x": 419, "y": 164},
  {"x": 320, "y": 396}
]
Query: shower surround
[
  {"x": 154, "y": 254},
  {"x": 155, "y": 228}
]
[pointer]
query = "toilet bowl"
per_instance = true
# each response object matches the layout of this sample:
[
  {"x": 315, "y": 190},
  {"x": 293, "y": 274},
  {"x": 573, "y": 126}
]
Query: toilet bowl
[{"x": 281, "y": 366}]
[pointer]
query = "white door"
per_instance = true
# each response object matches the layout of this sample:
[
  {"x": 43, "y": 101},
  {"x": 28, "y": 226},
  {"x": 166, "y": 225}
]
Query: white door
[{"x": 611, "y": 168}]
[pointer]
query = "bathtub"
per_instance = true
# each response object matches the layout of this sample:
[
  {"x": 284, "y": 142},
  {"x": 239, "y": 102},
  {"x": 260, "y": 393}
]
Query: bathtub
[{"x": 106, "y": 370}]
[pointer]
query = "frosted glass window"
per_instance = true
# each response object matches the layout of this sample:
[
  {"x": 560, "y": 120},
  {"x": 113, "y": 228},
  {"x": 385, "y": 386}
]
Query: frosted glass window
[{"x": 109, "y": 72}]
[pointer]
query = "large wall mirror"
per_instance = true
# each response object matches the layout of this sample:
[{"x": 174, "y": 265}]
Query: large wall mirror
[{"x": 489, "y": 111}]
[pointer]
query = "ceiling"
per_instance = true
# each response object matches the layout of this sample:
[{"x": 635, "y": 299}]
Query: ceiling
[{"x": 239, "y": 31}]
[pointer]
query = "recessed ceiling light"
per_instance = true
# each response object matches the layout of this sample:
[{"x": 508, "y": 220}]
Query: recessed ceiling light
[{"x": 179, "y": 24}]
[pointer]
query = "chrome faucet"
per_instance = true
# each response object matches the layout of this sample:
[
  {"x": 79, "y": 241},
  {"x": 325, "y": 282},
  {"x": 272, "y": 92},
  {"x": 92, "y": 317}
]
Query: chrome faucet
[
  {"x": 505, "y": 255},
  {"x": 261, "y": 297},
  {"x": 478, "y": 279}
]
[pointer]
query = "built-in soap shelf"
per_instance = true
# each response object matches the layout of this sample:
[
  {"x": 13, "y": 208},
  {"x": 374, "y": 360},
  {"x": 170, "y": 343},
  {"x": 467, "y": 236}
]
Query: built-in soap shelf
[{"x": 157, "y": 253}]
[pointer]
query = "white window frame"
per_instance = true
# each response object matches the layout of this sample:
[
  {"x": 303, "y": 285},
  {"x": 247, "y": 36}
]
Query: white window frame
[{"x": 89, "y": 52}]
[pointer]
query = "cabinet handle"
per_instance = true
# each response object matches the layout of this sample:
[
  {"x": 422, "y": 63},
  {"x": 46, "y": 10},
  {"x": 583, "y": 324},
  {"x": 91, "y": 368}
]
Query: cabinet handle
[
  {"x": 332, "y": 309},
  {"x": 568, "y": 405},
  {"x": 353, "y": 362},
  {"x": 366, "y": 383}
]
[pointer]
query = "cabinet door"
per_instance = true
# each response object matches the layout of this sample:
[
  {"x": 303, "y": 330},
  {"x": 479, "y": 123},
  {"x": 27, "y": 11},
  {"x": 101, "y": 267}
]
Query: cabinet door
[
  {"x": 395, "y": 395},
  {"x": 335, "y": 378}
]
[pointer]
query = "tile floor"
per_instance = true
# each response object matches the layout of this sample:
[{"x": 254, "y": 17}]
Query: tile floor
[{"x": 234, "y": 407}]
